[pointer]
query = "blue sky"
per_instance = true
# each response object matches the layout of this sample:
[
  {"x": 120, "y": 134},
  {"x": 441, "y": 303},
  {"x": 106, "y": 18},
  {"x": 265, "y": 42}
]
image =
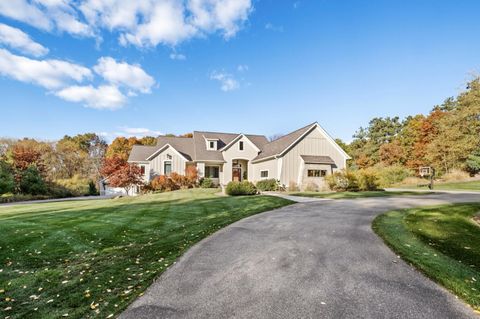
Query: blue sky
[{"x": 263, "y": 67}]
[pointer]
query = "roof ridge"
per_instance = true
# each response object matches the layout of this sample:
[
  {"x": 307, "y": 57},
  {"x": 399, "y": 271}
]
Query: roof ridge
[{"x": 292, "y": 132}]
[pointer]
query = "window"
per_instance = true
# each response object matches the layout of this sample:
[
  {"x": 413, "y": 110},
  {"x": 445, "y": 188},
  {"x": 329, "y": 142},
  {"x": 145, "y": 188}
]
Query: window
[
  {"x": 212, "y": 171},
  {"x": 212, "y": 145},
  {"x": 316, "y": 173},
  {"x": 264, "y": 174},
  {"x": 167, "y": 168},
  {"x": 142, "y": 169},
  {"x": 240, "y": 146}
]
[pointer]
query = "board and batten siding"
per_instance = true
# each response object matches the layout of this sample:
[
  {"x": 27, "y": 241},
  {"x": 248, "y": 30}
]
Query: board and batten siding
[
  {"x": 178, "y": 162},
  {"x": 315, "y": 143},
  {"x": 271, "y": 166},
  {"x": 233, "y": 152}
]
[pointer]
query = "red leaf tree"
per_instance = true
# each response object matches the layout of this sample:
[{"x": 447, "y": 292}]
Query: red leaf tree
[{"x": 122, "y": 174}]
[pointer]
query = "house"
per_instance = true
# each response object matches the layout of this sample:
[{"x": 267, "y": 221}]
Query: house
[{"x": 303, "y": 157}]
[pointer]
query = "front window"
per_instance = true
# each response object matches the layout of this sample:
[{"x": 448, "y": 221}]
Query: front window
[
  {"x": 212, "y": 171},
  {"x": 264, "y": 174},
  {"x": 142, "y": 169},
  {"x": 240, "y": 146},
  {"x": 167, "y": 168},
  {"x": 316, "y": 173}
]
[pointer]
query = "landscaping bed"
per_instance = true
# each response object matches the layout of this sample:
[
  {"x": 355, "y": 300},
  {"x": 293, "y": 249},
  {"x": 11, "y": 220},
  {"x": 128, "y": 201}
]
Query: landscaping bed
[
  {"x": 349, "y": 195},
  {"x": 442, "y": 242},
  {"x": 85, "y": 259}
]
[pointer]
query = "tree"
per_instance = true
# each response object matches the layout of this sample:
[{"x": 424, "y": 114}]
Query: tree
[
  {"x": 473, "y": 162},
  {"x": 7, "y": 181},
  {"x": 120, "y": 173},
  {"x": 122, "y": 146},
  {"x": 32, "y": 182}
]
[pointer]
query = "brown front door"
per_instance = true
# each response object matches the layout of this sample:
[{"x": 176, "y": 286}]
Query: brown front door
[{"x": 236, "y": 174}]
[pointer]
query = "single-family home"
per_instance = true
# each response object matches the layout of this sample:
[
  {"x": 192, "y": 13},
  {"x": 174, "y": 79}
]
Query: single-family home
[{"x": 303, "y": 157}]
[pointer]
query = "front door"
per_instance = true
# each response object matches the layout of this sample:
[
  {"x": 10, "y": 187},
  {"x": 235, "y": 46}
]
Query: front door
[{"x": 236, "y": 174}]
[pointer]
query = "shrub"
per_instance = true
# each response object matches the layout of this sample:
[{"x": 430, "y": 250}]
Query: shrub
[
  {"x": 455, "y": 175},
  {"x": 342, "y": 181},
  {"x": 207, "y": 183},
  {"x": 267, "y": 185},
  {"x": 92, "y": 188},
  {"x": 180, "y": 180},
  {"x": 293, "y": 187},
  {"x": 77, "y": 185},
  {"x": 191, "y": 173},
  {"x": 367, "y": 179},
  {"x": 391, "y": 175},
  {"x": 163, "y": 183},
  {"x": 311, "y": 187},
  {"x": 32, "y": 182},
  {"x": 241, "y": 188},
  {"x": 7, "y": 181}
]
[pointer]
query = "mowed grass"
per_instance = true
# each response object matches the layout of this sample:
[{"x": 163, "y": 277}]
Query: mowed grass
[
  {"x": 443, "y": 242},
  {"x": 92, "y": 258},
  {"x": 349, "y": 195},
  {"x": 472, "y": 186}
]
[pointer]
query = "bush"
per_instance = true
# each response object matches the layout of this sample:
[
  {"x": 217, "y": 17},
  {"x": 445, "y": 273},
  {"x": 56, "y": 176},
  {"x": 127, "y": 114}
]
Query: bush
[
  {"x": 241, "y": 188},
  {"x": 207, "y": 183},
  {"x": 92, "y": 188},
  {"x": 311, "y": 187},
  {"x": 342, "y": 181},
  {"x": 391, "y": 175},
  {"x": 268, "y": 185},
  {"x": 455, "y": 175},
  {"x": 180, "y": 180},
  {"x": 163, "y": 183},
  {"x": 77, "y": 185},
  {"x": 191, "y": 173},
  {"x": 10, "y": 198},
  {"x": 293, "y": 187},
  {"x": 7, "y": 181},
  {"x": 368, "y": 179},
  {"x": 32, "y": 182}
]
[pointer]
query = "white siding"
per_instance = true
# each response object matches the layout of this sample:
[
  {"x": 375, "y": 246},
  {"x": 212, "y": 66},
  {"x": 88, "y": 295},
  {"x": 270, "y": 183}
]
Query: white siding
[
  {"x": 315, "y": 143},
  {"x": 178, "y": 162},
  {"x": 271, "y": 166},
  {"x": 249, "y": 152}
]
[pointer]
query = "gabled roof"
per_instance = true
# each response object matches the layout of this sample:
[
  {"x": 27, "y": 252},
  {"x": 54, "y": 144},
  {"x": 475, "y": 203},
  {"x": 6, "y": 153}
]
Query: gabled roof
[
  {"x": 277, "y": 146},
  {"x": 283, "y": 144},
  {"x": 140, "y": 153},
  {"x": 183, "y": 145},
  {"x": 257, "y": 140}
]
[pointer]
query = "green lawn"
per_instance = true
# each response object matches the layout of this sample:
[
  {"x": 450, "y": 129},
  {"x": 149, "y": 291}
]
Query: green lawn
[
  {"x": 466, "y": 186},
  {"x": 473, "y": 186},
  {"x": 348, "y": 195},
  {"x": 92, "y": 258},
  {"x": 443, "y": 242}
]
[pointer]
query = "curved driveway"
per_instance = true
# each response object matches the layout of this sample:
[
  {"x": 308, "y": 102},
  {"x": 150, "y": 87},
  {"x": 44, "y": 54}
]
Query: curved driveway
[{"x": 308, "y": 260}]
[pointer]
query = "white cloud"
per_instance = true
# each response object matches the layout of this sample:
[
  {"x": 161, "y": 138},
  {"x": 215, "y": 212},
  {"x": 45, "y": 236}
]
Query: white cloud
[
  {"x": 122, "y": 73},
  {"x": 23, "y": 11},
  {"x": 226, "y": 16},
  {"x": 227, "y": 81},
  {"x": 50, "y": 74},
  {"x": 17, "y": 39},
  {"x": 274, "y": 28},
  {"x": 139, "y": 132},
  {"x": 47, "y": 15},
  {"x": 177, "y": 56},
  {"x": 103, "y": 97},
  {"x": 242, "y": 68}
]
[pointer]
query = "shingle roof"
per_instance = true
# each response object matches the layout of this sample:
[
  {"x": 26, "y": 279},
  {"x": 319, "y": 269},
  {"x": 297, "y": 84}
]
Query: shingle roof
[
  {"x": 279, "y": 145},
  {"x": 140, "y": 153},
  {"x": 184, "y": 145},
  {"x": 312, "y": 159}
]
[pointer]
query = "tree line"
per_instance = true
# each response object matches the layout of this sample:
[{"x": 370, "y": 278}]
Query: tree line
[{"x": 447, "y": 139}]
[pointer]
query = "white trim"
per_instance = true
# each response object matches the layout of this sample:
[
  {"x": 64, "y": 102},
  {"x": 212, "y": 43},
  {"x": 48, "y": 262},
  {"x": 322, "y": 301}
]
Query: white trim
[
  {"x": 163, "y": 166},
  {"x": 162, "y": 149},
  {"x": 329, "y": 138},
  {"x": 279, "y": 168},
  {"x": 268, "y": 173},
  {"x": 239, "y": 136}
]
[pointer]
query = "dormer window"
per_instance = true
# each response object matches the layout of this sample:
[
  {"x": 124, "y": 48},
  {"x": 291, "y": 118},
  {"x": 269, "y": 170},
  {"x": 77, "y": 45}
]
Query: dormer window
[{"x": 212, "y": 145}]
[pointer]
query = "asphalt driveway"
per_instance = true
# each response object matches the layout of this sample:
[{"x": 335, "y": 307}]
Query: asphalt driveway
[{"x": 316, "y": 259}]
